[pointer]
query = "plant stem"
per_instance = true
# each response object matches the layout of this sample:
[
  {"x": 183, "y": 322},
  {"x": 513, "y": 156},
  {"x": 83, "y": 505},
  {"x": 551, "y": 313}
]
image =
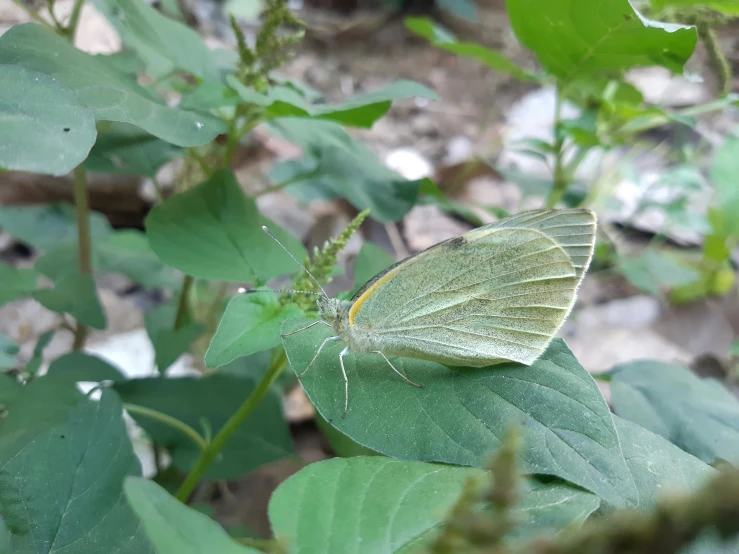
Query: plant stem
[
  {"x": 235, "y": 421},
  {"x": 33, "y": 14},
  {"x": 182, "y": 303},
  {"x": 199, "y": 441},
  {"x": 84, "y": 243},
  {"x": 718, "y": 59},
  {"x": 74, "y": 20},
  {"x": 287, "y": 183},
  {"x": 559, "y": 180}
]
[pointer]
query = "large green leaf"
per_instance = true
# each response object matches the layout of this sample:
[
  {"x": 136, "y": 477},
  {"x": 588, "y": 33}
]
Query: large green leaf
[
  {"x": 78, "y": 366},
  {"x": 174, "y": 528},
  {"x": 461, "y": 415},
  {"x": 575, "y": 37},
  {"x": 43, "y": 127},
  {"x": 214, "y": 231},
  {"x": 16, "y": 283},
  {"x": 345, "y": 167},
  {"x": 47, "y": 226},
  {"x": 698, "y": 415},
  {"x": 169, "y": 343},
  {"x": 376, "y": 505},
  {"x": 728, "y": 7},
  {"x": 163, "y": 43},
  {"x": 441, "y": 38},
  {"x": 251, "y": 323},
  {"x": 124, "y": 148},
  {"x": 76, "y": 295},
  {"x": 109, "y": 95},
  {"x": 360, "y": 111},
  {"x": 262, "y": 438},
  {"x": 62, "y": 487}
]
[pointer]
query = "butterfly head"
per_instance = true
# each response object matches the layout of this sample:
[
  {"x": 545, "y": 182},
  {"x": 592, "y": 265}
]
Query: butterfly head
[{"x": 334, "y": 312}]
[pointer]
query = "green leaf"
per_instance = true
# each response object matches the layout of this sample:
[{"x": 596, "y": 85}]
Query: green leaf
[
  {"x": 174, "y": 528},
  {"x": 8, "y": 351},
  {"x": 75, "y": 295},
  {"x": 213, "y": 231},
  {"x": 262, "y": 438},
  {"x": 360, "y": 111},
  {"x": 74, "y": 503},
  {"x": 250, "y": 324},
  {"x": 371, "y": 260},
  {"x": 47, "y": 226},
  {"x": 125, "y": 149},
  {"x": 576, "y": 37},
  {"x": 441, "y": 38},
  {"x": 655, "y": 269},
  {"x": 462, "y": 414},
  {"x": 164, "y": 44},
  {"x": 698, "y": 415},
  {"x": 43, "y": 127},
  {"x": 209, "y": 96},
  {"x": 34, "y": 363},
  {"x": 727, "y": 7},
  {"x": 381, "y": 506},
  {"x": 347, "y": 168},
  {"x": 169, "y": 343},
  {"x": 16, "y": 283},
  {"x": 77, "y": 366},
  {"x": 658, "y": 466},
  {"x": 109, "y": 95}
]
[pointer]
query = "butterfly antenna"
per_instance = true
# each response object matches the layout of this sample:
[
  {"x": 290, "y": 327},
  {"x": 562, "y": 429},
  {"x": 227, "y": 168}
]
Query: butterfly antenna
[
  {"x": 264, "y": 228},
  {"x": 242, "y": 290}
]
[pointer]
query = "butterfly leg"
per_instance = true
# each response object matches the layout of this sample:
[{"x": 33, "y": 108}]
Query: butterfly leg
[
  {"x": 346, "y": 381},
  {"x": 304, "y": 328},
  {"x": 317, "y": 353},
  {"x": 396, "y": 370}
]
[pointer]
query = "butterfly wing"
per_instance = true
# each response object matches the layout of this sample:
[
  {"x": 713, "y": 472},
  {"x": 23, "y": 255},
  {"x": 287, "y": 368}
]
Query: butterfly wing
[{"x": 494, "y": 294}]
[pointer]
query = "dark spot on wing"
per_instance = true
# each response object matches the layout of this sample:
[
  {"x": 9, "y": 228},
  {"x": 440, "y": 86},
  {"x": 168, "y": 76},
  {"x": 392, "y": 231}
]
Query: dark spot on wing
[
  {"x": 66, "y": 129},
  {"x": 456, "y": 242}
]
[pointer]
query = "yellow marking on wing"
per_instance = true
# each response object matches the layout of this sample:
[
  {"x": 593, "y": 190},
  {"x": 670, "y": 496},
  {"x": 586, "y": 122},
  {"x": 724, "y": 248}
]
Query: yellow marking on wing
[{"x": 358, "y": 304}]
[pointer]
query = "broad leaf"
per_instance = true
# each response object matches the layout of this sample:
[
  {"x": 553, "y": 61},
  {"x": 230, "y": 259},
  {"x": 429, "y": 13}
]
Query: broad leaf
[
  {"x": 174, "y": 528},
  {"x": 576, "y": 37},
  {"x": 376, "y": 505},
  {"x": 16, "y": 283},
  {"x": 75, "y": 295},
  {"x": 8, "y": 352},
  {"x": 214, "y": 231},
  {"x": 698, "y": 415},
  {"x": 345, "y": 167},
  {"x": 251, "y": 323},
  {"x": 43, "y": 127},
  {"x": 169, "y": 343},
  {"x": 109, "y": 95},
  {"x": 73, "y": 503},
  {"x": 371, "y": 260},
  {"x": 47, "y": 226},
  {"x": 462, "y": 414},
  {"x": 262, "y": 438},
  {"x": 78, "y": 366},
  {"x": 124, "y": 148},
  {"x": 163, "y": 43},
  {"x": 441, "y": 38}
]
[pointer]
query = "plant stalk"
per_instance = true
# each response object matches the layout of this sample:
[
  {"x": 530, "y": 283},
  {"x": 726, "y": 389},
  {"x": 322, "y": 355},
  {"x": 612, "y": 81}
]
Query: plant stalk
[
  {"x": 235, "y": 421},
  {"x": 175, "y": 423},
  {"x": 33, "y": 14},
  {"x": 84, "y": 242},
  {"x": 721, "y": 65},
  {"x": 71, "y": 29},
  {"x": 182, "y": 303},
  {"x": 559, "y": 180}
]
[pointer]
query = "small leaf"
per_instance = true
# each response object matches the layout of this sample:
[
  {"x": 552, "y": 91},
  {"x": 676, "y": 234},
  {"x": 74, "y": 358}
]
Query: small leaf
[
  {"x": 109, "y": 95},
  {"x": 73, "y": 503},
  {"x": 250, "y": 324},
  {"x": 264, "y": 436},
  {"x": 43, "y": 127},
  {"x": 75, "y": 295},
  {"x": 371, "y": 260},
  {"x": 169, "y": 343},
  {"x": 174, "y": 528},
  {"x": 401, "y": 505},
  {"x": 462, "y": 414},
  {"x": 34, "y": 363},
  {"x": 163, "y": 43},
  {"x": 8, "y": 352},
  {"x": 213, "y": 231},
  {"x": 125, "y": 149},
  {"x": 78, "y": 366},
  {"x": 16, "y": 283},
  {"x": 698, "y": 415},
  {"x": 441, "y": 38},
  {"x": 594, "y": 36}
]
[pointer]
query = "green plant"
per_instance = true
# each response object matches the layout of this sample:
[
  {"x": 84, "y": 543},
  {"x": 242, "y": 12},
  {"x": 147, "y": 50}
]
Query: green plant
[{"x": 69, "y": 479}]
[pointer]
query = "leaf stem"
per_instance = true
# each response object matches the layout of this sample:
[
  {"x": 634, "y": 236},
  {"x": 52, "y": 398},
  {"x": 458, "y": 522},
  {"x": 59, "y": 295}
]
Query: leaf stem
[
  {"x": 721, "y": 65},
  {"x": 208, "y": 455},
  {"x": 84, "y": 243},
  {"x": 33, "y": 14},
  {"x": 182, "y": 303},
  {"x": 279, "y": 186},
  {"x": 175, "y": 423},
  {"x": 559, "y": 181},
  {"x": 74, "y": 20}
]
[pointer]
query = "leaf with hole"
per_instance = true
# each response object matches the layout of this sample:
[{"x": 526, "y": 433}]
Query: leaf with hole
[
  {"x": 43, "y": 126},
  {"x": 109, "y": 95},
  {"x": 250, "y": 324},
  {"x": 461, "y": 414},
  {"x": 214, "y": 231},
  {"x": 264, "y": 436}
]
